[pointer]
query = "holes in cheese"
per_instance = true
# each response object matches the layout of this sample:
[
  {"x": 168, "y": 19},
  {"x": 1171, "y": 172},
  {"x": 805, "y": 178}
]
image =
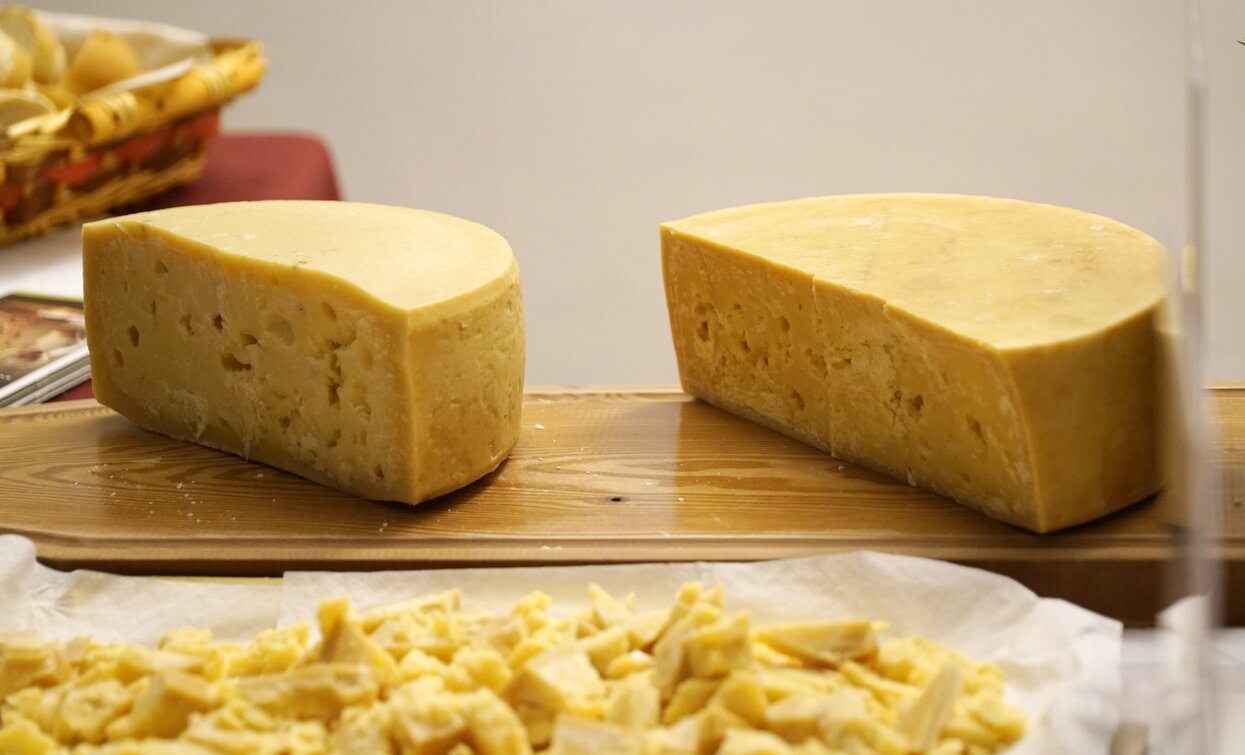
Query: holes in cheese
[
  {"x": 279, "y": 327},
  {"x": 996, "y": 351},
  {"x": 233, "y": 364},
  {"x": 376, "y": 349}
]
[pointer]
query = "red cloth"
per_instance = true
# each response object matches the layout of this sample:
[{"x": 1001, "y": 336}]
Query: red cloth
[
  {"x": 257, "y": 166},
  {"x": 248, "y": 167},
  {"x": 78, "y": 391}
]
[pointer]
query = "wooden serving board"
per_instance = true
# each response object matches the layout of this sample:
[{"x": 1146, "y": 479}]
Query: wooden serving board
[{"x": 597, "y": 476}]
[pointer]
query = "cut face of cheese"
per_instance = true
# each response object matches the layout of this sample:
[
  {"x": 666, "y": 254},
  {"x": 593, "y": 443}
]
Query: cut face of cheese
[
  {"x": 999, "y": 352},
  {"x": 375, "y": 349}
]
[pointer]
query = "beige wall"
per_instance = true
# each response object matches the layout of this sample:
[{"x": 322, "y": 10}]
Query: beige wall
[{"x": 574, "y": 128}]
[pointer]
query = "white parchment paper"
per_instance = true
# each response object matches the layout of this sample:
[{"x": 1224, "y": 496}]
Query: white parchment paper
[
  {"x": 64, "y": 605},
  {"x": 1062, "y": 662}
]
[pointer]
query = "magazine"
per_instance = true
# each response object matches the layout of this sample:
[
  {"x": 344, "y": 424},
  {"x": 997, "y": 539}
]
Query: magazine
[{"x": 43, "y": 348}]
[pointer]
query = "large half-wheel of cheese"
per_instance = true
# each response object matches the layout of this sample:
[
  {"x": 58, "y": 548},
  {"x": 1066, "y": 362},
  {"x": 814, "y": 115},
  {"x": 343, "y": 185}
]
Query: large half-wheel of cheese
[
  {"x": 376, "y": 349},
  {"x": 999, "y": 352}
]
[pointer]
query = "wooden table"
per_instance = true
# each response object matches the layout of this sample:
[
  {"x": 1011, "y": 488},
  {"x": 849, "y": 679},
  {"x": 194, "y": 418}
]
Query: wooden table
[{"x": 599, "y": 475}]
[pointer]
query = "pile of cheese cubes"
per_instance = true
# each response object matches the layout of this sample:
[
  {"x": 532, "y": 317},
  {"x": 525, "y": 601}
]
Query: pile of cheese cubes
[{"x": 432, "y": 676}]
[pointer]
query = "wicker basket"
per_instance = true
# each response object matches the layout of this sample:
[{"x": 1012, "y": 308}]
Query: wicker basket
[{"x": 118, "y": 147}]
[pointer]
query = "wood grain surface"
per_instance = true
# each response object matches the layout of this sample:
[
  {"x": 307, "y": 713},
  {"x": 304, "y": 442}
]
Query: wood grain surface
[{"x": 599, "y": 475}]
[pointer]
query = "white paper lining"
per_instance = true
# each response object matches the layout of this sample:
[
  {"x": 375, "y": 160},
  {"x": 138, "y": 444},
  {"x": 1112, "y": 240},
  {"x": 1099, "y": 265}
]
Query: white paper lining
[{"x": 1062, "y": 662}]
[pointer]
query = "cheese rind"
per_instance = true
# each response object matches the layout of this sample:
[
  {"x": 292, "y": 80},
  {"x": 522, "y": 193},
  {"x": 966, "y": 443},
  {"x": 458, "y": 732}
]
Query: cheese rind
[
  {"x": 996, "y": 351},
  {"x": 375, "y": 349}
]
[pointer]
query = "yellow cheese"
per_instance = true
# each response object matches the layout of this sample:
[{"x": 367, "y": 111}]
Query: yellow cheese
[
  {"x": 995, "y": 351},
  {"x": 280, "y": 694},
  {"x": 376, "y": 349}
]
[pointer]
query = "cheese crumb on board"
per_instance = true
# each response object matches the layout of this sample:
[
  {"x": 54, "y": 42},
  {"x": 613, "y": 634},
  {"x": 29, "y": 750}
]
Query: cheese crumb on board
[
  {"x": 999, "y": 352},
  {"x": 431, "y": 675},
  {"x": 324, "y": 338}
]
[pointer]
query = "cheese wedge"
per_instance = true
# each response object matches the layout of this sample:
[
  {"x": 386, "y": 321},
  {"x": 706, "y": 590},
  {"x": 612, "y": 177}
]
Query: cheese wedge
[
  {"x": 999, "y": 352},
  {"x": 375, "y": 349}
]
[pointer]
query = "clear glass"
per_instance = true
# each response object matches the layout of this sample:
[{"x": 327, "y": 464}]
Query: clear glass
[{"x": 1198, "y": 662}]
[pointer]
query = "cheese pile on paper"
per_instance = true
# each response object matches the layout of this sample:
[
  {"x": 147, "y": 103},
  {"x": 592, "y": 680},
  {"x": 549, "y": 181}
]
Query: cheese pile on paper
[{"x": 429, "y": 675}]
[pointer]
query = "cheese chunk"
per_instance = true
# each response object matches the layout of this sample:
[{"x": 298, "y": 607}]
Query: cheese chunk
[
  {"x": 375, "y": 349},
  {"x": 999, "y": 352}
]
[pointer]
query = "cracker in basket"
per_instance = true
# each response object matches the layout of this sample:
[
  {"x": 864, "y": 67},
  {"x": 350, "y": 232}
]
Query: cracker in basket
[
  {"x": 431, "y": 676},
  {"x": 15, "y": 63},
  {"x": 46, "y": 52},
  {"x": 104, "y": 58},
  {"x": 19, "y": 104}
]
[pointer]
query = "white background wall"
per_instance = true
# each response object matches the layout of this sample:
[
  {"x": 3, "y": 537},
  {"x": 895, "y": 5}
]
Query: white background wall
[{"x": 574, "y": 128}]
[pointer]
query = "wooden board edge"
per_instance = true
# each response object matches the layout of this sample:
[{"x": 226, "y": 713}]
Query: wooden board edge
[
  {"x": 217, "y": 553},
  {"x": 54, "y": 407}
]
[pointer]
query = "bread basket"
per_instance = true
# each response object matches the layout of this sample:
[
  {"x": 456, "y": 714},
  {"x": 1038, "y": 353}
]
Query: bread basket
[{"x": 125, "y": 142}]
